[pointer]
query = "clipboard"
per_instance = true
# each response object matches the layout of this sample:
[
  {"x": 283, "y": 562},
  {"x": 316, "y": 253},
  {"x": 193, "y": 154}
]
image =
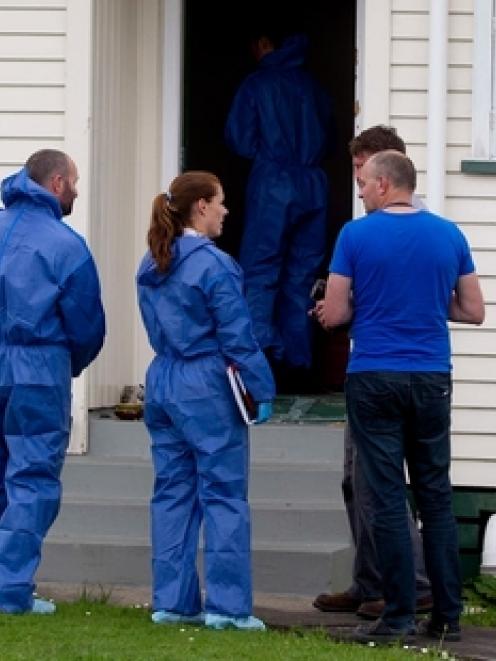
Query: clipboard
[{"x": 246, "y": 405}]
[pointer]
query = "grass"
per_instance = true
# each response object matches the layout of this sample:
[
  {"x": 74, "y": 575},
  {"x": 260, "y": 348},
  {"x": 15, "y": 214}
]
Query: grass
[{"x": 96, "y": 631}]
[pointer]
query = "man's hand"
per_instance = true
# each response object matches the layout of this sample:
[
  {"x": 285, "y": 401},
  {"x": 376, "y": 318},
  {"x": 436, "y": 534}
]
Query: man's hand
[{"x": 318, "y": 313}]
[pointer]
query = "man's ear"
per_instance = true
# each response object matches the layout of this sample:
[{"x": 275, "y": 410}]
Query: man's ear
[
  {"x": 202, "y": 205},
  {"x": 382, "y": 185},
  {"x": 56, "y": 184}
]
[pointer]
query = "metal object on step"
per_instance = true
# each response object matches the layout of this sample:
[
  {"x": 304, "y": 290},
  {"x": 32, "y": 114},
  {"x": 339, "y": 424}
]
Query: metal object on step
[{"x": 131, "y": 405}]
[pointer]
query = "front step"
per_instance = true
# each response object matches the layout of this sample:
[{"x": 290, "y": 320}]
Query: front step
[
  {"x": 313, "y": 522},
  {"x": 279, "y": 569},
  {"x": 299, "y": 529},
  {"x": 114, "y": 477}
]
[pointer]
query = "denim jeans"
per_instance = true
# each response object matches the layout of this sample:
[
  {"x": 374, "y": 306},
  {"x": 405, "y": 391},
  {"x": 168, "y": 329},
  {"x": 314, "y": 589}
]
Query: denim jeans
[
  {"x": 367, "y": 579},
  {"x": 397, "y": 417}
]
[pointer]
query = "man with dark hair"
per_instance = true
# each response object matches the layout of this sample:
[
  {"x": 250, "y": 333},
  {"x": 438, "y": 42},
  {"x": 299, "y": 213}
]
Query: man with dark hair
[
  {"x": 399, "y": 274},
  {"x": 281, "y": 119},
  {"x": 53, "y": 326},
  {"x": 364, "y": 596}
]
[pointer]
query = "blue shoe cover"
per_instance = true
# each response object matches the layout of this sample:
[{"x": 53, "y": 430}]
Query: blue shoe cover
[
  {"x": 167, "y": 617},
  {"x": 43, "y": 607},
  {"x": 250, "y": 623}
]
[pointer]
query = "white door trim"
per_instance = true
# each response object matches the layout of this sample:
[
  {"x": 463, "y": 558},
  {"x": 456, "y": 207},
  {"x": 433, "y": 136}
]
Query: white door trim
[
  {"x": 373, "y": 59},
  {"x": 77, "y": 145},
  {"x": 172, "y": 86}
]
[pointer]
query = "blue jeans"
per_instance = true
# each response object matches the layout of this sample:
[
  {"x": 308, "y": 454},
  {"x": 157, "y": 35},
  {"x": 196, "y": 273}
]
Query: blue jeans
[{"x": 397, "y": 417}]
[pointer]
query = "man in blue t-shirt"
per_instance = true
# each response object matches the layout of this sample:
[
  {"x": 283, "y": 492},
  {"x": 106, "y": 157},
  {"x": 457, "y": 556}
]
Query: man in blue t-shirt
[{"x": 398, "y": 274}]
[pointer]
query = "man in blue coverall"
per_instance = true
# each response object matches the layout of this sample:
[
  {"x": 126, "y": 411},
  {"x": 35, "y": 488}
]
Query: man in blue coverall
[
  {"x": 280, "y": 119},
  {"x": 51, "y": 327}
]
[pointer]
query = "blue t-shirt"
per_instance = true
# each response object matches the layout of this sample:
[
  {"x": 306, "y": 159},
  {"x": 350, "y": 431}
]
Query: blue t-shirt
[{"x": 404, "y": 267}]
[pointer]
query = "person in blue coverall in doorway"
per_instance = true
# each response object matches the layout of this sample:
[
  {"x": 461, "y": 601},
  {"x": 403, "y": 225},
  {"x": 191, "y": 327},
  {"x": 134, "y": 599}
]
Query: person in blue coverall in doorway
[
  {"x": 190, "y": 297},
  {"x": 51, "y": 327},
  {"x": 281, "y": 118}
]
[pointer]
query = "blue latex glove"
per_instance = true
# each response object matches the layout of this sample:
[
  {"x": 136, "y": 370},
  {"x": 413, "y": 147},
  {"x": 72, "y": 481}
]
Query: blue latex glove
[{"x": 264, "y": 412}]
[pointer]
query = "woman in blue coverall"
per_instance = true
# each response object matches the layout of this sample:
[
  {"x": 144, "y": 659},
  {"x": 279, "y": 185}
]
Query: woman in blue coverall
[{"x": 190, "y": 296}]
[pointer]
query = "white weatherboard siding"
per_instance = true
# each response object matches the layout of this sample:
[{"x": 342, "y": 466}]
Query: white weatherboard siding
[
  {"x": 44, "y": 102},
  {"x": 32, "y": 79},
  {"x": 470, "y": 201}
]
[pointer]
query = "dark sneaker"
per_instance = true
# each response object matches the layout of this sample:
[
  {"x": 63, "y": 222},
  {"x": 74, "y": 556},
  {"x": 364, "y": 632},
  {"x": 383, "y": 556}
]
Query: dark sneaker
[
  {"x": 449, "y": 631},
  {"x": 381, "y": 634},
  {"x": 339, "y": 602},
  {"x": 372, "y": 610}
]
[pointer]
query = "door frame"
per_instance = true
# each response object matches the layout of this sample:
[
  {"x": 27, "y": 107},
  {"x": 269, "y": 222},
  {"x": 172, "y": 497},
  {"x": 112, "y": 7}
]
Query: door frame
[{"x": 172, "y": 89}]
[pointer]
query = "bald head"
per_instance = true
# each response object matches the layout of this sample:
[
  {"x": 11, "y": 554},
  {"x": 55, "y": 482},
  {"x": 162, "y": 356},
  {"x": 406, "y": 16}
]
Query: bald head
[
  {"x": 56, "y": 172},
  {"x": 43, "y": 164},
  {"x": 395, "y": 167},
  {"x": 388, "y": 177}
]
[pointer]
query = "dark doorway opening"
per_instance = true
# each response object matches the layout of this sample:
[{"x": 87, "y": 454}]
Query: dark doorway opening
[{"x": 216, "y": 59}]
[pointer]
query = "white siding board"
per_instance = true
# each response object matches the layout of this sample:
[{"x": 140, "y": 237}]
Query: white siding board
[
  {"x": 480, "y": 236},
  {"x": 454, "y": 155},
  {"x": 466, "y": 6},
  {"x": 414, "y": 102},
  {"x": 407, "y": 77},
  {"x": 29, "y": 5},
  {"x": 472, "y": 394},
  {"x": 484, "y": 261},
  {"x": 410, "y": 25},
  {"x": 474, "y": 368},
  {"x": 415, "y": 25},
  {"x": 32, "y": 72},
  {"x": 488, "y": 285},
  {"x": 473, "y": 473},
  {"x": 26, "y": 47},
  {"x": 473, "y": 420},
  {"x": 490, "y": 320},
  {"x": 414, "y": 130},
  {"x": 16, "y": 150},
  {"x": 470, "y": 209},
  {"x": 472, "y": 341},
  {"x": 48, "y": 21},
  {"x": 416, "y": 52},
  {"x": 32, "y": 99},
  {"x": 410, "y": 5},
  {"x": 424, "y": 5},
  {"x": 32, "y": 125},
  {"x": 466, "y": 446},
  {"x": 458, "y": 184}
]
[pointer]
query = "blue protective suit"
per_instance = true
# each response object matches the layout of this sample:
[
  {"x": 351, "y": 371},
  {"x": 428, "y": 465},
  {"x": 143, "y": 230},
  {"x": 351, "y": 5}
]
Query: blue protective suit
[
  {"x": 198, "y": 323},
  {"x": 281, "y": 119},
  {"x": 51, "y": 328}
]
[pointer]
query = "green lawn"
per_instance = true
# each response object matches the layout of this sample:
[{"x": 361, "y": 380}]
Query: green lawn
[{"x": 96, "y": 631}]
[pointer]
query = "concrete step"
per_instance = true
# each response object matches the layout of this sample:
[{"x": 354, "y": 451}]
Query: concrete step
[
  {"x": 318, "y": 521},
  {"x": 114, "y": 477},
  {"x": 110, "y": 437},
  {"x": 285, "y": 569}
]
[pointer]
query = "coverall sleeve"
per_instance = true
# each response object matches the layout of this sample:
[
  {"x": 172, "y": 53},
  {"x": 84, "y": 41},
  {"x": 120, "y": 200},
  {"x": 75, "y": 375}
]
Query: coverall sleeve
[
  {"x": 82, "y": 315},
  {"x": 235, "y": 336},
  {"x": 242, "y": 132}
]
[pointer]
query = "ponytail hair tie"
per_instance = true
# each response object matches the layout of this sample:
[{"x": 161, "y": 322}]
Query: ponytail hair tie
[{"x": 168, "y": 196}]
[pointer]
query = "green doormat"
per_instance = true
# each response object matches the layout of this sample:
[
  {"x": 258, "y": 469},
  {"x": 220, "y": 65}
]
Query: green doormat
[{"x": 309, "y": 409}]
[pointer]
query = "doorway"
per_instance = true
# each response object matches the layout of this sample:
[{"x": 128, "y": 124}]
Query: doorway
[{"x": 216, "y": 59}]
